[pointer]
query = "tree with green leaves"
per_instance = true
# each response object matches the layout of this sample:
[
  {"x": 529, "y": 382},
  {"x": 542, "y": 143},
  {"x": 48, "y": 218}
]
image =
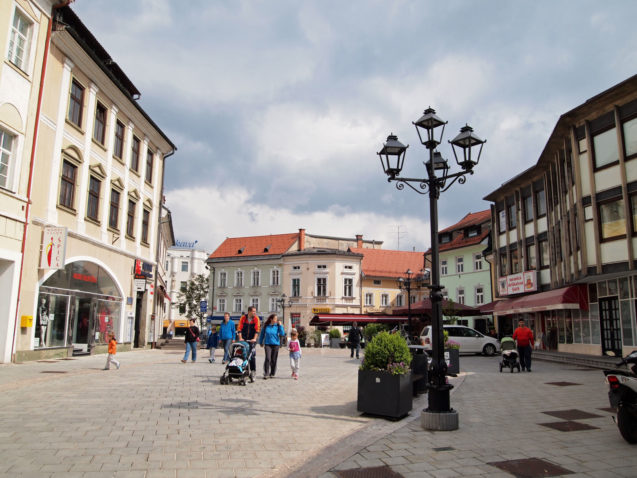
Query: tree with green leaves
[{"x": 189, "y": 300}]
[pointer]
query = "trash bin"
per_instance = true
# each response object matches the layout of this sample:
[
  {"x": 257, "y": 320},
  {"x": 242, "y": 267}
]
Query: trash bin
[{"x": 419, "y": 366}]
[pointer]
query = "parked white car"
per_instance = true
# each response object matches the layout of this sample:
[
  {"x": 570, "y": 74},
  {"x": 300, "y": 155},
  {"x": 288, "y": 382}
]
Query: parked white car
[{"x": 470, "y": 340}]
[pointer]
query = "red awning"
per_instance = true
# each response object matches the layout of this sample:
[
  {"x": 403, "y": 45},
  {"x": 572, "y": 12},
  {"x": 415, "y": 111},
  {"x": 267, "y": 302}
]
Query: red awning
[
  {"x": 488, "y": 308},
  {"x": 572, "y": 297},
  {"x": 347, "y": 319},
  {"x": 448, "y": 308}
]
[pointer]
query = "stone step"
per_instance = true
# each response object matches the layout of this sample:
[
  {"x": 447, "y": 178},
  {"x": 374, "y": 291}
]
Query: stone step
[{"x": 592, "y": 361}]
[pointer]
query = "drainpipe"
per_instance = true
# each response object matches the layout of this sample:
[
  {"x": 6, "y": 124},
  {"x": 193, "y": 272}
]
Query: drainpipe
[
  {"x": 47, "y": 42},
  {"x": 161, "y": 200}
]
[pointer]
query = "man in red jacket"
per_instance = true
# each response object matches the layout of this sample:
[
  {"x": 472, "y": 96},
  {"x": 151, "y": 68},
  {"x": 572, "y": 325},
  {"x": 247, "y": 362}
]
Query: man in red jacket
[{"x": 524, "y": 337}]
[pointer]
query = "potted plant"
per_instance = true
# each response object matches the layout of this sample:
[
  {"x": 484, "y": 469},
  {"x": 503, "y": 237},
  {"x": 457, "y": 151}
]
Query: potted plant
[
  {"x": 317, "y": 338},
  {"x": 335, "y": 338},
  {"x": 452, "y": 355},
  {"x": 302, "y": 331},
  {"x": 384, "y": 377}
]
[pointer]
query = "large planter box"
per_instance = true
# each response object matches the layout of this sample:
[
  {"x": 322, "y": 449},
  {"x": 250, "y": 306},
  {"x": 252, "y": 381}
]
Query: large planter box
[
  {"x": 335, "y": 342},
  {"x": 452, "y": 357},
  {"x": 384, "y": 394}
]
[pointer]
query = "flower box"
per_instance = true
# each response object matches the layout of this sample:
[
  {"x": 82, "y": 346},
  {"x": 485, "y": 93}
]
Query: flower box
[{"x": 384, "y": 394}]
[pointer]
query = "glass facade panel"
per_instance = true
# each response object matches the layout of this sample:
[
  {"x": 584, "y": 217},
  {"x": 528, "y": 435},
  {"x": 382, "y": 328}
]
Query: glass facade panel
[
  {"x": 613, "y": 222},
  {"x": 568, "y": 327},
  {"x": 630, "y": 136},
  {"x": 605, "y": 148},
  {"x": 577, "y": 327},
  {"x": 586, "y": 328},
  {"x": 627, "y": 319},
  {"x": 50, "y": 327},
  {"x": 595, "y": 325},
  {"x": 624, "y": 288}
]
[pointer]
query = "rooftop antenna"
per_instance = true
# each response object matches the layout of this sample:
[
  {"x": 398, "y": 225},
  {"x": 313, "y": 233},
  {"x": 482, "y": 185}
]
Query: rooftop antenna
[{"x": 398, "y": 234}]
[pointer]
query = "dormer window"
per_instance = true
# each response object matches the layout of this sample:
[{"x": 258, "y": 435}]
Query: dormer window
[
  {"x": 444, "y": 238},
  {"x": 473, "y": 232}
]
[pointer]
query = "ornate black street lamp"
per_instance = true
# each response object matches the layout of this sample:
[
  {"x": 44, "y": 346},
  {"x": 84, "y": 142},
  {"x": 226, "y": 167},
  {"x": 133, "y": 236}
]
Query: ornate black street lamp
[
  {"x": 281, "y": 302},
  {"x": 439, "y": 415},
  {"x": 408, "y": 283}
]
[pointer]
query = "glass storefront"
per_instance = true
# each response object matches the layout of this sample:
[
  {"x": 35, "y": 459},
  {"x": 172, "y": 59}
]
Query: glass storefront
[{"x": 78, "y": 305}]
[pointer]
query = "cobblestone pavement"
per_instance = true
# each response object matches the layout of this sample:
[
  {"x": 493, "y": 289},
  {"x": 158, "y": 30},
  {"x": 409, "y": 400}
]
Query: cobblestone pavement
[{"x": 157, "y": 417}]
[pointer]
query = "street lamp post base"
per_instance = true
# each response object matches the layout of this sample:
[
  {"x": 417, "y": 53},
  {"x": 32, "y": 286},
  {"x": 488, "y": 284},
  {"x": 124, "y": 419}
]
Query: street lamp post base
[{"x": 439, "y": 421}]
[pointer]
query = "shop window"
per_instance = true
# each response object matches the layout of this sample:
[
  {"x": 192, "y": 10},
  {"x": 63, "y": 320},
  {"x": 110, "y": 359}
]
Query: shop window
[
  {"x": 612, "y": 220},
  {"x": 605, "y": 148}
]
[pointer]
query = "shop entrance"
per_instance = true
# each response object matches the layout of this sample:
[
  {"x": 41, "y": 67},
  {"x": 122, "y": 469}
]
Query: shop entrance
[{"x": 610, "y": 326}]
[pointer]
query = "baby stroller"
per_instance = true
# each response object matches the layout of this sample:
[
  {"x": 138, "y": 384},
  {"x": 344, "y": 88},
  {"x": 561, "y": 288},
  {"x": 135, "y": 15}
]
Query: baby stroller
[
  {"x": 239, "y": 366},
  {"x": 509, "y": 354}
]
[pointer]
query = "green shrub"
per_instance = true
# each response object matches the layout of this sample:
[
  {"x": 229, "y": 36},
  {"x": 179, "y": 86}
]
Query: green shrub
[
  {"x": 387, "y": 352},
  {"x": 372, "y": 329},
  {"x": 335, "y": 334},
  {"x": 317, "y": 338}
]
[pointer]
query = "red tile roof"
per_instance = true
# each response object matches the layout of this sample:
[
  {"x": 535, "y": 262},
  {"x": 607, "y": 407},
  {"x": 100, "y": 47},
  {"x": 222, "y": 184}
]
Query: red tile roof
[
  {"x": 388, "y": 263},
  {"x": 275, "y": 244},
  {"x": 458, "y": 230}
]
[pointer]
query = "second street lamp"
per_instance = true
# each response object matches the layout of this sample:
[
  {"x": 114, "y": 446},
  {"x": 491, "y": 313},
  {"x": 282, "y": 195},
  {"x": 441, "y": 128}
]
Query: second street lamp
[
  {"x": 439, "y": 415},
  {"x": 408, "y": 283}
]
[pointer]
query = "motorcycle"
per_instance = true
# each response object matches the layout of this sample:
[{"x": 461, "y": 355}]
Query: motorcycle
[{"x": 623, "y": 396}]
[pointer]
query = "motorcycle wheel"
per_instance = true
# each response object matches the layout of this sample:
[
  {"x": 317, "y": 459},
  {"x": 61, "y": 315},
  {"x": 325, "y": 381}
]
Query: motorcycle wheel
[{"x": 627, "y": 425}]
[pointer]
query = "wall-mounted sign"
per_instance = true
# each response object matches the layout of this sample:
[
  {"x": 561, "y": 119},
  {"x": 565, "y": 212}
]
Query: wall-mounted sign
[
  {"x": 143, "y": 269},
  {"x": 140, "y": 285},
  {"x": 518, "y": 283},
  {"x": 320, "y": 310},
  {"x": 53, "y": 248}
]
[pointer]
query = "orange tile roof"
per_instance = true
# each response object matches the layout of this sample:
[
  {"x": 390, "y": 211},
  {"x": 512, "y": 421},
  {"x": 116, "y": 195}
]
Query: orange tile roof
[
  {"x": 459, "y": 240},
  {"x": 274, "y": 244},
  {"x": 471, "y": 219},
  {"x": 388, "y": 263}
]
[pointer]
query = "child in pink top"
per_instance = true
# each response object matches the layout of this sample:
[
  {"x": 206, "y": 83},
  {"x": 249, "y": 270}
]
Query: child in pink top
[{"x": 295, "y": 353}]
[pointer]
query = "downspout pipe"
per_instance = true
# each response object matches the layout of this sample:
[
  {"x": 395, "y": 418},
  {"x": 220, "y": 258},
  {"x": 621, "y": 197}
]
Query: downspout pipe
[
  {"x": 157, "y": 246},
  {"x": 47, "y": 43}
]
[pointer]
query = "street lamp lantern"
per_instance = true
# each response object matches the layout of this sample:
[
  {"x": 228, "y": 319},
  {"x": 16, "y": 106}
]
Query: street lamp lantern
[
  {"x": 392, "y": 156},
  {"x": 439, "y": 415},
  {"x": 466, "y": 140},
  {"x": 428, "y": 122}
]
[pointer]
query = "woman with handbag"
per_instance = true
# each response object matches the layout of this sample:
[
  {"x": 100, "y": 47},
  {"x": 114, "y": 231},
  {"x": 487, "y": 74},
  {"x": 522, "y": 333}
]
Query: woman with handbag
[{"x": 191, "y": 339}]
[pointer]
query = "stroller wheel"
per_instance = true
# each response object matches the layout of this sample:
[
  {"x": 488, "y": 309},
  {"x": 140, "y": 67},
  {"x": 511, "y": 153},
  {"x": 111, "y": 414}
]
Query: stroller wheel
[
  {"x": 500, "y": 367},
  {"x": 222, "y": 380}
]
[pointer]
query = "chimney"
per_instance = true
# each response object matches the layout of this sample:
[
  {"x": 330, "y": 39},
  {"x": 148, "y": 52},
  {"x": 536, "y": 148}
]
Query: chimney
[
  {"x": 301, "y": 239},
  {"x": 359, "y": 241}
]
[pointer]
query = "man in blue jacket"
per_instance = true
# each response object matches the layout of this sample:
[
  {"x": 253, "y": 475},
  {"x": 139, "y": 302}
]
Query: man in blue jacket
[{"x": 226, "y": 335}]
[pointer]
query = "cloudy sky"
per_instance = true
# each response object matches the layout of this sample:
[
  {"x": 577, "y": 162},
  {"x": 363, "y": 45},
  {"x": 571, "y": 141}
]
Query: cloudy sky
[{"x": 278, "y": 107}]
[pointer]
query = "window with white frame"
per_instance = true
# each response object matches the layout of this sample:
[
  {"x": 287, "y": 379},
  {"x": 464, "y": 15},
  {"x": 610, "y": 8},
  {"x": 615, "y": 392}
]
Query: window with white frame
[
  {"x": 238, "y": 304},
  {"x": 20, "y": 39},
  {"x": 238, "y": 279},
  {"x": 321, "y": 286},
  {"x": 275, "y": 275},
  {"x": 274, "y": 304},
  {"x": 477, "y": 262},
  {"x": 184, "y": 266},
  {"x": 479, "y": 295},
  {"x": 384, "y": 300},
  {"x": 369, "y": 299},
  {"x": 221, "y": 304},
  {"x": 348, "y": 287},
  {"x": 7, "y": 158},
  {"x": 460, "y": 295},
  {"x": 254, "y": 302},
  {"x": 443, "y": 267},
  {"x": 296, "y": 287},
  {"x": 459, "y": 265},
  {"x": 223, "y": 279},
  {"x": 399, "y": 300},
  {"x": 256, "y": 278}
]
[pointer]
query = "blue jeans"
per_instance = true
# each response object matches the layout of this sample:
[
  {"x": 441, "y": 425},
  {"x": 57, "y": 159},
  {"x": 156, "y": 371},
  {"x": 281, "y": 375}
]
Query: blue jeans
[
  {"x": 226, "y": 349},
  {"x": 355, "y": 346},
  {"x": 191, "y": 346},
  {"x": 525, "y": 357}
]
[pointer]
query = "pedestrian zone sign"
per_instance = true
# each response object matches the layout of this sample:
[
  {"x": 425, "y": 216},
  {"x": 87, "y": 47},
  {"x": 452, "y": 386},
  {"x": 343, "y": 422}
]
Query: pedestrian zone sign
[{"x": 203, "y": 306}]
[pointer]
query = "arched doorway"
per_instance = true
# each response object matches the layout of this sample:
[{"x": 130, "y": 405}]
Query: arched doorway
[{"x": 77, "y": 306}]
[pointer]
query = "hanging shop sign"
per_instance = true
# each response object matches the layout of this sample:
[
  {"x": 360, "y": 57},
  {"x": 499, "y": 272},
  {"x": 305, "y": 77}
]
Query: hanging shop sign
[
  {"x": 53, "y": 248},
  {"x": 143, "y": 269},
  {"x": 518, "y": 283}
]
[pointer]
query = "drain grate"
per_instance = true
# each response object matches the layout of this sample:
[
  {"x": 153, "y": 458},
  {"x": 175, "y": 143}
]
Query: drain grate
[
  {"x": 531, "y": 468},
  {"x": 53, "y": 371},
  {"x": 562, "y": 384},
  {"x": 444, "y": 448},
  {"x": 572, "y": 414},
  {"x": 569, "y": 426},
  {"x": 47, "y": 361},
  {"x": 375, "y": 472}
]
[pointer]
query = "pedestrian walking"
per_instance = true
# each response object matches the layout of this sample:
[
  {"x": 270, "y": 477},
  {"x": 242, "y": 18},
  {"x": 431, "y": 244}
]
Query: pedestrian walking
[
  {"x": 524, "y": 338},
  {"x": 227, "y": 334},
  {"x": 294, "y": 346},
  {"x": 191, "y": 340},
  {"x": 270, "y": 337},
  {"x": 354, "y": 340},
  {"x": 213, "y": 342},
  {"x": 249, "y": 328},
  {"x": 112, "y": 350}
]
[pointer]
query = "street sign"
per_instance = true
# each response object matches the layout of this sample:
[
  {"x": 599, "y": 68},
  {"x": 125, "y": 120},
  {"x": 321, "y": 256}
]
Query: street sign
[{"x": 203, "y": 306}]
